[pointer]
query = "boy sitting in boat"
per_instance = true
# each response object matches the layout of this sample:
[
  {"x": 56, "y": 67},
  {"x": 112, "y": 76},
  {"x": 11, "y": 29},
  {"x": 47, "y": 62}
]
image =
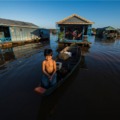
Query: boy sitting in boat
[{"x": 49, "y": 70}]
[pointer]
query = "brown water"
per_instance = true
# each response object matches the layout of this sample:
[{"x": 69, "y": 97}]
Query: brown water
[{"x": 92, "y": 92}]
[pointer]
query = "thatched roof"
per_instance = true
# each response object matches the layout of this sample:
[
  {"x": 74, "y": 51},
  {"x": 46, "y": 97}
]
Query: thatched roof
[
  {"x": 75, "y": 19},
  {"x": 7, "y": 22}
]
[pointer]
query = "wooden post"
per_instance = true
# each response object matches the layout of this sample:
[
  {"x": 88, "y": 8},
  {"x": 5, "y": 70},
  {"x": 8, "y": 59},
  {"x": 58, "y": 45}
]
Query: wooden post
[{"x": 83, "y": 32}]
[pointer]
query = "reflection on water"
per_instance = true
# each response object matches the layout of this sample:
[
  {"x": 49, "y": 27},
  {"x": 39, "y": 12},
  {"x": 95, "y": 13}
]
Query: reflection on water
[
  {"x": 105, "y": 41},
  {"x": 53, "y": 43},
  {"x": 10, "y": 54},
  {"x": 6, "y": 55}
]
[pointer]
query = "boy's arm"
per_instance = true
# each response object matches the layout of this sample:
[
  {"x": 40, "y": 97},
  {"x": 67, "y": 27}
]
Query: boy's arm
[
  {"x": 54, "y": 67},
  {"x": 43, "y": 69}
]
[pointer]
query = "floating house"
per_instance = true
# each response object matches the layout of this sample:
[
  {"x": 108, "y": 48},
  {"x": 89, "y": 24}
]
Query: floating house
[
  {"x": 44, "y": 33},
  {"x": 74, "y": 29},
  {"x": 118, "y": 32},
  {"x": 11, "y": 30},
  {"x": 106, "y": 32}
]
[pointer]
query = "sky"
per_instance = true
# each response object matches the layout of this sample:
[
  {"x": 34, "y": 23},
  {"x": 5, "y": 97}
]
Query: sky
[{"x": 46, "y": 13}]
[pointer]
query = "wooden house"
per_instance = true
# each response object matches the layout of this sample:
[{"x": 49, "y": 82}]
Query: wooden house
[
  {"x": 17, "y": 31},
  {"x": 11, "y": 30},
  {"x": 118, "y": 32},
  {"x": 106, "y": 32},
  {"x": 74, "y": 29}
]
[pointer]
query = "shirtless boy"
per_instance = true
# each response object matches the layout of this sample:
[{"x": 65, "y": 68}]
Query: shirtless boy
[{"x": 49, "y": 69}]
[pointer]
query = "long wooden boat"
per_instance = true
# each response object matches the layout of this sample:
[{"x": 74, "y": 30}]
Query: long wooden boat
[{"x": 68, "y": 66}]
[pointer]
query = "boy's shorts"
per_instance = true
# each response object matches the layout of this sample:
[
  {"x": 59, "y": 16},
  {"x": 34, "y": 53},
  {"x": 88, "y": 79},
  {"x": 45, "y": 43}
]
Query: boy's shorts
[{"x": 46, "y": 83}]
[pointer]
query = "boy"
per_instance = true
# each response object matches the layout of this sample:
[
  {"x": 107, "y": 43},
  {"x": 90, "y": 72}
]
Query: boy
[{"x": 49, "y": 69}]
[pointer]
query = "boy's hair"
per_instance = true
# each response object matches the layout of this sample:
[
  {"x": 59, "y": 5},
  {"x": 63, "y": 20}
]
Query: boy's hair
[{"x": 48, "y": 52}]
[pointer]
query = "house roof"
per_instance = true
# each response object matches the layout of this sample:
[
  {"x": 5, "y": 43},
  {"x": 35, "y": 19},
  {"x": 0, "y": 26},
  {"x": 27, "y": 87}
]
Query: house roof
[
  {"x": 109, "y": 28},
  {"x": 75, "y": 19},
  {"x": 7, "y": 22}
]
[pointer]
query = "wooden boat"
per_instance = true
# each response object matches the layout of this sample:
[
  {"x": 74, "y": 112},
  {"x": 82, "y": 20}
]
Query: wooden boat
[{"x": 68, "y": 66}]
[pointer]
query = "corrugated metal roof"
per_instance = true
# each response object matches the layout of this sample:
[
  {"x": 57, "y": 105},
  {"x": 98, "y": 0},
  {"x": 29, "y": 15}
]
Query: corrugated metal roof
[
  {"x": 75, "y": 19},
  {"x": 7, "y": 22}
]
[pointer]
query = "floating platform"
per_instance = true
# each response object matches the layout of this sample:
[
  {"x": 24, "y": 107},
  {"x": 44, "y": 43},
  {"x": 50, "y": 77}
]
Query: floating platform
[
  {"x": 17, "y": 43},
  {"x": 79, "y": 42},
  {"x": 4, "y": 45}
]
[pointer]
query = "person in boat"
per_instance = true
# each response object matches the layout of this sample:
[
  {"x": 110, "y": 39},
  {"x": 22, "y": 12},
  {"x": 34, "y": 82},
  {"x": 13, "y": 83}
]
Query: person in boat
[{"x": 48, "y": 69}]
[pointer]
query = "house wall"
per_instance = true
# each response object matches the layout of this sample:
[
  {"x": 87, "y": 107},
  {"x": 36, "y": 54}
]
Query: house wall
[
  {"x": 87, "y": 29},
  {"x": 22, "y": 34}
]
